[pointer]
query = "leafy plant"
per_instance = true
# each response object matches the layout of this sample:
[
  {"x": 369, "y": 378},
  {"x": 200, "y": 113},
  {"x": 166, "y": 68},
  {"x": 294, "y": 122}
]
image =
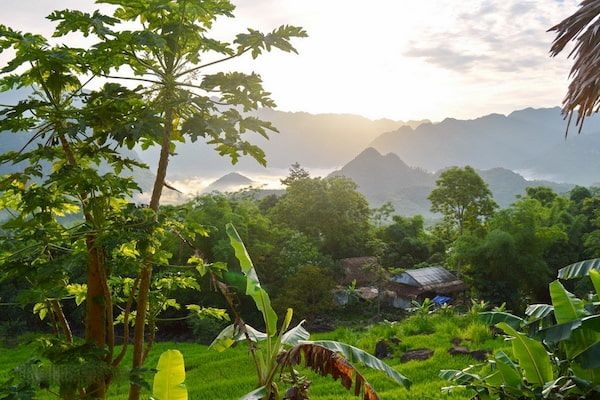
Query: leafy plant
[
  {"x": 170, "y": 377},
  {"x": 422, "y": 309},
  {"x": 284, "y": 348},
  {"x": 554, "y": 358},
  {"x": 478, "y": 306}
]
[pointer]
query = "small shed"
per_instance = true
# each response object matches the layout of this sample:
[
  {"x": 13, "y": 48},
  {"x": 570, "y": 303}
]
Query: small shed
[
  {"x": 361, "y": 269},
  {"x": 417, "y": 284}
]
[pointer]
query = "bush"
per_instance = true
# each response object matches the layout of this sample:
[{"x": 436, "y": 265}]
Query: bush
[
  {"x": 416, "y": 325},
  {"x": 308, "y": 292},
  {"x": 206, "y": 329},
  {"x": 478, "y": 333}
]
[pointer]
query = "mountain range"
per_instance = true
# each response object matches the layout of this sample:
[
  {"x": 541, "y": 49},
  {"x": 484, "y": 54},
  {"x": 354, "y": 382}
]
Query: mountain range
[
  {"x": 395, "y": 160},
  {"x": 321, "y": 142},
  {"x": 531, "y": 142}
]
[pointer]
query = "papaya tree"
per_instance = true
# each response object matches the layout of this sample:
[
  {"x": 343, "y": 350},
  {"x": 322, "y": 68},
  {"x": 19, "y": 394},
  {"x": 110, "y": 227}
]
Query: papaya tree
[
  {"x": 64, "y": 173},
  {"x": 175, "y": 100}
]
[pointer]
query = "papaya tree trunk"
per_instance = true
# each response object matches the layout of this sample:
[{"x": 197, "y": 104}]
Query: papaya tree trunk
[
  {"x": 95, "y": 321},
  {"x": 146, "y": 273},
  {"x": 96, "y": 296}
]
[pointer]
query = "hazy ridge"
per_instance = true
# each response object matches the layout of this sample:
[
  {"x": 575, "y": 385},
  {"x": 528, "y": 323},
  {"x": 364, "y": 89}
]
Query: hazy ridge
[{"x": 394, "y": 160}]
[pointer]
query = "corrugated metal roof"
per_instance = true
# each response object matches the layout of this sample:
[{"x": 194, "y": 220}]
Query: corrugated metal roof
[{"x": 431, "y": 275}]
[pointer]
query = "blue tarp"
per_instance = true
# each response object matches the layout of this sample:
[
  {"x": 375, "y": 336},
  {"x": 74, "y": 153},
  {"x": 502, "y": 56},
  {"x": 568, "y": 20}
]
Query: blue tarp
[{"x": 441, "y": 300}]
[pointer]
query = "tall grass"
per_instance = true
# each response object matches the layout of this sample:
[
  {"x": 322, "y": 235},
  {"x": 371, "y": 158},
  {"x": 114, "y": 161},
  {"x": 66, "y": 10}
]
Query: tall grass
[{"x": 229, "y": 375}]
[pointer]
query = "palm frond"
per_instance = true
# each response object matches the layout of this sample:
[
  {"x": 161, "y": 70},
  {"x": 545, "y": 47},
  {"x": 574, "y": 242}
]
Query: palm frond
[{"x": 582, "y": 28}]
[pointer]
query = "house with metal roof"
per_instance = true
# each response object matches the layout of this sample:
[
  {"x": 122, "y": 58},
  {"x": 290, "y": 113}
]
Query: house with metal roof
[{"x": 417, "y": 284}]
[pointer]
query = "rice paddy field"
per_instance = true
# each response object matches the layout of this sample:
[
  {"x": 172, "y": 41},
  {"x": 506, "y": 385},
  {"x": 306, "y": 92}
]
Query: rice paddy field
[{"x": 230, "y": 375}]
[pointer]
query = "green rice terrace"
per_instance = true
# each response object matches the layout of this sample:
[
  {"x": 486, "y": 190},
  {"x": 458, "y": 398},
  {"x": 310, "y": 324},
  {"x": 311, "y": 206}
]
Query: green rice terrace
[{"x": 230, "y": 374}]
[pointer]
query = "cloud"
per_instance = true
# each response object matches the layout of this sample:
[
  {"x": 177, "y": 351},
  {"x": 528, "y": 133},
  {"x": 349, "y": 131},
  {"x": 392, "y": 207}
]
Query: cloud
[
  {"x": 446, "y": 57},
  {"x": 503, "y": 37},
  {"x": 389, "y": 58}
]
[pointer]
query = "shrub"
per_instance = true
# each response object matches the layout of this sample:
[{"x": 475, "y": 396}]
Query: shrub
[
  {"x": 417, "y": 324},
  {"x": 478, "y": 332},
  {"x": 308, "y": 292},
  {"x": 206, "y": 329}
]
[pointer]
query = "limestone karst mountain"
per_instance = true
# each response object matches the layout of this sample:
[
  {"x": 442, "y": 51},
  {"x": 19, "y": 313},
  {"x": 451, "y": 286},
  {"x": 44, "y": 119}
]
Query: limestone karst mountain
[
  {"x": 529, "y": 141},
  {"x": 382, "y": 178}
]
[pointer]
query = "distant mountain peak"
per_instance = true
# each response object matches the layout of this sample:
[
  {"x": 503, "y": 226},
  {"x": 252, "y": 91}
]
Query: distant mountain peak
[
  {"x": 373, "y": 172},
  {"x": 231, "y": 182},
  {"x": 233, "y": 178}
]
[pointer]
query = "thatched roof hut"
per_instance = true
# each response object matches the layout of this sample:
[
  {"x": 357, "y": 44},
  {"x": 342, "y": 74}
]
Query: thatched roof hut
[{"x": 361, "y": 269}]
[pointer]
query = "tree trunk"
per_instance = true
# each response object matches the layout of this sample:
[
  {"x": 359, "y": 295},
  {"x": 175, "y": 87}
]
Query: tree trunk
[
  {"x": 95, "y": 301},
  {"x": 146, "y": 273},
  {"x": 95, "y": 322}
]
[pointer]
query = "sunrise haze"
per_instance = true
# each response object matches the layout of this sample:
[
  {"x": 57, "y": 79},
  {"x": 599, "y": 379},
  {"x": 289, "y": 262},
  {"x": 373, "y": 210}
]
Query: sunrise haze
[{"x": 387, "y": 58}]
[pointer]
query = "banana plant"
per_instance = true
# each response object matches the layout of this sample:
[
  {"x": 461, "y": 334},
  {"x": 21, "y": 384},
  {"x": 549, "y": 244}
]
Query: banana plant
[
  {"x": 556, "y": 349},
  {"x": 280, "y": 350},
  {"x": 170, "y": 377}
]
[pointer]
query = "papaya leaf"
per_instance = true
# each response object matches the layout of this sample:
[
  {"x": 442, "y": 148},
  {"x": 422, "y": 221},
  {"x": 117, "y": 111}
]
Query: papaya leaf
[
  {"x": 579, "y": 269},
  {"x": 253, "y": 288},
  {"x": 532, "y": 356},
  {"x": 168, "y": 381}
]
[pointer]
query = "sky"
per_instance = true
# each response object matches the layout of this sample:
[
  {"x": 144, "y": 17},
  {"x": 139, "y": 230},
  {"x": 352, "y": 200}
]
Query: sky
[{"x": 396, "y": 59}]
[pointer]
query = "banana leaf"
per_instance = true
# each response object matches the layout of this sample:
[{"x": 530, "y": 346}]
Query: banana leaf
[
  {"x": 295, "y": 335},
  {"x": 579, "y": 269},
  {"x": 459, "y": 376},
  {"x": 539, "y": 311},
  {"x": 567, "y": 307},
  {"x": 595, "y": 277},
  {"x": 494, "y": 317},
  {"x": 257, "y": 394},
  {"x": 531, "y": 354},
  {"x": 353, "y": 354},
  {"x": 557, "y": 333},
  {"x": 590, "y": 357},
  {"x": 253, "y": 288},
  {"x": 508, "y": 370},
  {"x": 169, "y": 380}
]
